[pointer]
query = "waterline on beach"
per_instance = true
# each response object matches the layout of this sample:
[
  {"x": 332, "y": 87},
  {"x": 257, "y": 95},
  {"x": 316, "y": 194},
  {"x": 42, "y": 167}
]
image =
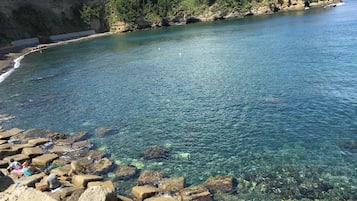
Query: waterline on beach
[{"x": 17, "y": 63}]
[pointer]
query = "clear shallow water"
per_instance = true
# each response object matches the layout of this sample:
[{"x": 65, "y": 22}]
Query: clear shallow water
[{"x": 250, "y": 97}]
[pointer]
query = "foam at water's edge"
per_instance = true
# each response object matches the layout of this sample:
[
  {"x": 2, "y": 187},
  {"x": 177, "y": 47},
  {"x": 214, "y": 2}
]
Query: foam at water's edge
[{"x": 17, "y": 63}]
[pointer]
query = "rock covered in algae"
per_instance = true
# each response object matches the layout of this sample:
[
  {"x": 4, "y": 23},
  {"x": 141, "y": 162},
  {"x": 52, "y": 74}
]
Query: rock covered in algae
[
  {"x": 155, "y": 152},
  {"x": 221, "y": 184}
]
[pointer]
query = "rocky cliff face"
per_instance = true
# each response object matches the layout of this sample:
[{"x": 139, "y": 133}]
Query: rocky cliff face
[{"x": 301, "y": 4}]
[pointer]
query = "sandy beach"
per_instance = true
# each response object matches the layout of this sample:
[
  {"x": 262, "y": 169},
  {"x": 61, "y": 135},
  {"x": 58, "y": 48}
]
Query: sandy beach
[{"x": 7, "y": 55}]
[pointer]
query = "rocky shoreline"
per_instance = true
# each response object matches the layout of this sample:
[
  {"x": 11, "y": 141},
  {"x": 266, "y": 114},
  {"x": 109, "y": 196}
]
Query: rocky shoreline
[
  {"x": 81, "y": 170},
  {"x": 84, "y": 174}
]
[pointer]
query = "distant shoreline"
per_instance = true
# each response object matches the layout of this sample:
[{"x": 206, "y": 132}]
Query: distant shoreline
[{"x": 8, "y": 55}]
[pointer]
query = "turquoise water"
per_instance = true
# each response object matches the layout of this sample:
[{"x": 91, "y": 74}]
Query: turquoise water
[{"x": 266, "y": 99}]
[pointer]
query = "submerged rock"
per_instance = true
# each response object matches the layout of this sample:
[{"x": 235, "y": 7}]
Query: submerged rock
[
  {"x": 225, "y": 184},
  {"x": 104, "y": 131},
  {"x": 125, "y": 172},
  {"x": 150, "y": 177},
  {"x": 199, "y": 193},
  {"x": 348, "y": 146},
  {"x": 101, "y": 166},
  {"x": 155, "y": 152}
]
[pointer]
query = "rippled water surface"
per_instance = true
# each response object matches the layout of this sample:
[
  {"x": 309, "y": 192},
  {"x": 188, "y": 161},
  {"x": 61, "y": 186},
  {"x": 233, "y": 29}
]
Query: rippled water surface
[{"x": 265, "y": 99}]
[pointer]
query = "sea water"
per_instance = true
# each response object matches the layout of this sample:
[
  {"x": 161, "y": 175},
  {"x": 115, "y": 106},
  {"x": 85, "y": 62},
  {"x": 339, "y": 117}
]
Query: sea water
[{"x": 269, "y": 100}]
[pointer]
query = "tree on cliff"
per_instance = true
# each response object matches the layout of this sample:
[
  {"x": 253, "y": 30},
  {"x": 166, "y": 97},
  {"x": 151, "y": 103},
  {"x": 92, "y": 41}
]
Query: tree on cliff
[{"x": 158, "y": 10}]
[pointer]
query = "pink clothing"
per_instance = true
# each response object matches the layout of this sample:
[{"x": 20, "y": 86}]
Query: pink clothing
[{"x": 15, "y": 166}]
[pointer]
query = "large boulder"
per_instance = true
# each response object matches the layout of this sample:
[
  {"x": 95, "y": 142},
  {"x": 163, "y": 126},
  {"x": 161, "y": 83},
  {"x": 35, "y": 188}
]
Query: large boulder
[{"x": 98, "y": 193}]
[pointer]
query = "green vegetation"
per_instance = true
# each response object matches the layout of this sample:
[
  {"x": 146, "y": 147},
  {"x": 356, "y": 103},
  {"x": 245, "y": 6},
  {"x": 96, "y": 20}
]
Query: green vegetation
[
  {"x": 89, "y": 13},
  {"x": 157, "y": 10},
  {"x": 32, "y": 20}
]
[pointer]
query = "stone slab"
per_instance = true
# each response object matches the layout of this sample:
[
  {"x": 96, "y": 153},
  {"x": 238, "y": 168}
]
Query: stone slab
[
  {"x": 172, "y": 184},
  {"x": 44, "y": 159},
  {"x": 19, "y": 147},
  {"x": 143, "y": 192},
  {"x": 63, "y": 193},
  {"x": 32, "y": 151},
  {"x": 4, "y": 164},
  {"x": 107, "y": 184},
  {"x": 82, "y": 180},
  {"x": 9, "y": 133},
  {"x": 38, "y": 141},
  {"x": 123, "y": 198},
  {"x": 30, "y": 181},
  {"x": 60, "y": 149},
  {"x": 191, "y": 193},
  {"x": 6, "y": 153},
  {"x": 161, "y": 199},
  {"x": 61, "y": 171},
  {"x": 18, "y": 157},
  {"x": 6, "y": 146}
]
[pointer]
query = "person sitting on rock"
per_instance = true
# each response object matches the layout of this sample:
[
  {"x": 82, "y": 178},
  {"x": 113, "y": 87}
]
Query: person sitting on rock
[
  {"x": 29, "y": 169},
  {"x": 50, "y": 182},
  {"x": 14, "y": 166}
]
